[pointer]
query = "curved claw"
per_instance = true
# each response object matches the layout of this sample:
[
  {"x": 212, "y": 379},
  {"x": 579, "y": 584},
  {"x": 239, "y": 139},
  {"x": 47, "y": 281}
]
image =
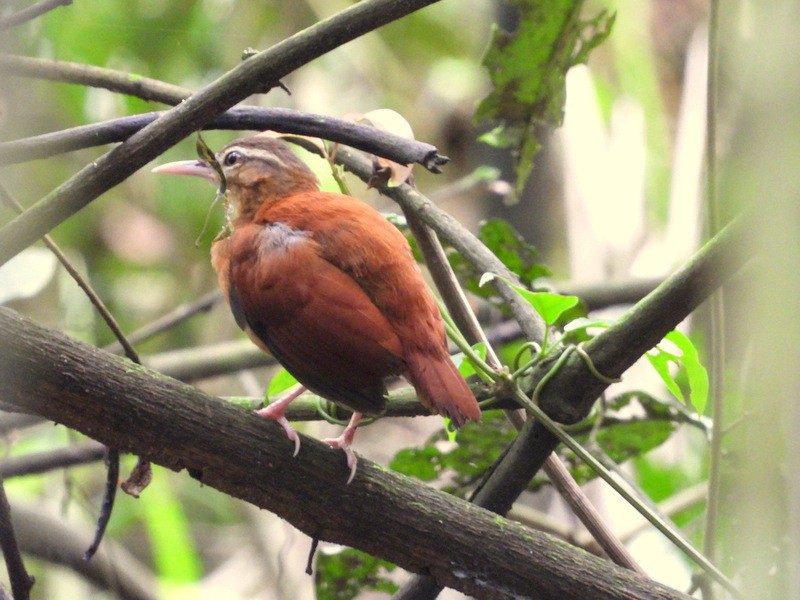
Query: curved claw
[
  {"x": 343, "y": 443},
  {"x": 291, "y": 433},
  {"x": 279, "y": 418},
  {"x": 276, "y": 412}
]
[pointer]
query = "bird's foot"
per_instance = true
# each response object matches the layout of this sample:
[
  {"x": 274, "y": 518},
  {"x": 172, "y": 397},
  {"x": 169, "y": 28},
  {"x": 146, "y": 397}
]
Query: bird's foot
[
  {"x": 344, "y": 441},
  {"x": 277, "y": 412},
  {"x": 291, "y": 432},
  {"x": 352, "y": 461}
]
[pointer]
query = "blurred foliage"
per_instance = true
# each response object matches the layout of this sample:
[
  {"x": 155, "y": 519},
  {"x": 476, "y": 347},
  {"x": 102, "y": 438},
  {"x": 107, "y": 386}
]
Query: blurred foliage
[
  {"x": 510, "y": 247},
  {"x": 346, "y": 573},
  {"x": 528, "y": 69}
]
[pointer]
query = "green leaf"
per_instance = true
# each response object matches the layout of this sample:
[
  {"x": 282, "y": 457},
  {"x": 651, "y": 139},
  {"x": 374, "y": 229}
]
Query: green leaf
[
  {"x": 695, "y": 371},
  {"x": 343, "y": 574},
  {"x": 281, "y": 382},
  {"x": 689, "y": 359},
  {"x": 661, "y": 359},
  {"x": 549, "y": 306}
]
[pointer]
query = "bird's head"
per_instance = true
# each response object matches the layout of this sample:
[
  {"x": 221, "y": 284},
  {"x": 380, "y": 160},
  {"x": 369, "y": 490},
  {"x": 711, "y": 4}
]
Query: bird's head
[{"x": 257, "y": 169}]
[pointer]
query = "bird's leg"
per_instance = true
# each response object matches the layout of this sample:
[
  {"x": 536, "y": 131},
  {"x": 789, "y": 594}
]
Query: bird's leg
[
  {"x": 343, "y": 443},
  {"x": 277, "y": 412}
]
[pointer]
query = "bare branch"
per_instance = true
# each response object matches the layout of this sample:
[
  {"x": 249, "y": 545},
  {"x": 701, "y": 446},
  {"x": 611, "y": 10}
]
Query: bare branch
[
  {"x": 87, "y": 289},
  {"x": 192, "y": 364}
]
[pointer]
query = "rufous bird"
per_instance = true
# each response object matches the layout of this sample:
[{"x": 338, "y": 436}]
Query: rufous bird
[{"x": 329, "y": 287}]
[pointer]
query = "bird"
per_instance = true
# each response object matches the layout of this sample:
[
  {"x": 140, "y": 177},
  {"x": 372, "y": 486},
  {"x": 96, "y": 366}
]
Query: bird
[{"x": 324, "y": 283}]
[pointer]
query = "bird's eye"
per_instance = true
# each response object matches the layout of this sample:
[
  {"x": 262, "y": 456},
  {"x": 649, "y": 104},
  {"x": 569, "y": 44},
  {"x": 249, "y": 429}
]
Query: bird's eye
[{"x": 231, "y": 158}]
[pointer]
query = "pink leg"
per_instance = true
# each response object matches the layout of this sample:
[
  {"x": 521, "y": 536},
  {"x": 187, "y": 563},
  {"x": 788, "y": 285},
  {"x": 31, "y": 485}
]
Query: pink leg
[
  {"x": 277, "y": 412},
  {"x": 343, "y": 443}
]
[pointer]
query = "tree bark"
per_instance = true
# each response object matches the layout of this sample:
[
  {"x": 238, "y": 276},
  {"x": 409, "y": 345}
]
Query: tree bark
[{"x": 383, "y": 513}]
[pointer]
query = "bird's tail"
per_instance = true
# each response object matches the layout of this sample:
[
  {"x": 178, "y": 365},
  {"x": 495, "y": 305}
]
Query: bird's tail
[{"x": 441, "y": 387}]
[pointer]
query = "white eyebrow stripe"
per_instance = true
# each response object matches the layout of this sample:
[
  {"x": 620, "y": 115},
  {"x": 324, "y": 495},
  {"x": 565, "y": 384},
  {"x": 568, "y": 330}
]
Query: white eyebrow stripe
[{"x": 259, "y": 154}]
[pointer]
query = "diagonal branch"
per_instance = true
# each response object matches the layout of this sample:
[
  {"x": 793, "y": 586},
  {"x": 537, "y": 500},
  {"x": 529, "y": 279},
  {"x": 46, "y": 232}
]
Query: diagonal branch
[
  {"x": 234, "y": 86},
  {"x": 21, "y": 582},
  {"x": 382, "y": 513}
]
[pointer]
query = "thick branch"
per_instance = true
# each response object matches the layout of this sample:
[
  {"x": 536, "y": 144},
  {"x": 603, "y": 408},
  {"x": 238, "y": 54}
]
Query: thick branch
[
  {"x": 248, "y": 77},
  {"x": 382, "y": 513}
]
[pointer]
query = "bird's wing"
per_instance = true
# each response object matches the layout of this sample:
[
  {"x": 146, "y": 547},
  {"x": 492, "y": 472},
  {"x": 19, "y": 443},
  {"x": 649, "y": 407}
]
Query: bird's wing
[
  {"x": 359, "y": 241},
  {"x": 313, "y": 317}
]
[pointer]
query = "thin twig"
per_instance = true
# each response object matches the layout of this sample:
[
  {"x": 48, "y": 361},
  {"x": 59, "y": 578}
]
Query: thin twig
[
  {"x": 677, "y": 503},
  {"x": 21, "y": 582},
  {"x": 717, "y": 305},
  {"x": 107, "y": 506},
  {"x": 613, "y": 467},
  {"x": 42, "y": 462},
  {"x": 573, "y": 495},
  {"x": 31, "y": 12},
  {"x": 192, "y": 364},
  {"x": 169, "y": 320},
  {"x": 89, "y": 75}
]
